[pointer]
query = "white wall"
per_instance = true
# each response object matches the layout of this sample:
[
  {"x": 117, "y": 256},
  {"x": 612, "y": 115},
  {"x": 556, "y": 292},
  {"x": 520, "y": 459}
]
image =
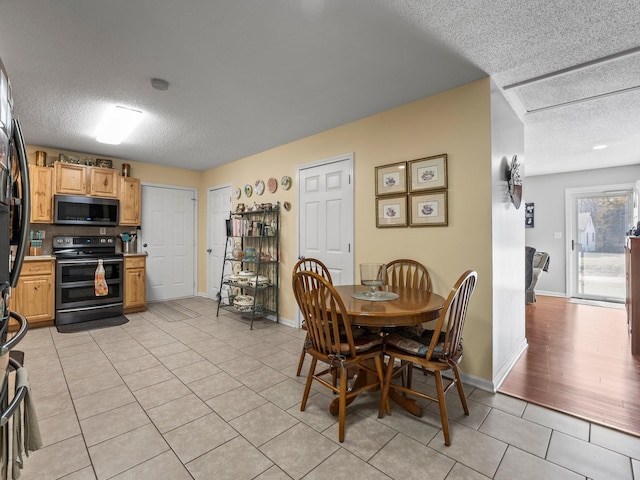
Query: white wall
[
  {"x": 507, "y": 140},
  {"x": 547, "y": 192}
]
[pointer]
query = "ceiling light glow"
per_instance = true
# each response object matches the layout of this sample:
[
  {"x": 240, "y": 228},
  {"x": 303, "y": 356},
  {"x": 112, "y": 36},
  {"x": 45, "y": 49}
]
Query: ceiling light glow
[
  {"x": 599, "y": 147},
  {"x": 117, "y": 124}
]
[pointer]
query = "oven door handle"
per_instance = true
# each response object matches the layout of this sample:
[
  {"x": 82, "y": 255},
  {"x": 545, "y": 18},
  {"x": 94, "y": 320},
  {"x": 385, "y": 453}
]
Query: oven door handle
[
  {"x": 85, "y": 261},
  {"x": 24, "y": 326}
]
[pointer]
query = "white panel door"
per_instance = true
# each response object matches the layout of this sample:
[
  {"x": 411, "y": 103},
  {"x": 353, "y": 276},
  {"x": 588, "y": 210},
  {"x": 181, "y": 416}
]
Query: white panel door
[
  {"x": 218, "y": 208},
  {"x": 168, "y": 233},
  {"x": 326, "y": 217}
]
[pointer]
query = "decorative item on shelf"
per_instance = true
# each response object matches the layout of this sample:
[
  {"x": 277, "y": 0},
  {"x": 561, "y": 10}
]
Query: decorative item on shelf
[
  {"x": 249, "y": 254},
  {"x": 285, "y": 182},
  {"x": 237, "y": 252},
  {"x": 266, "y": 206},
  {"x": 126, "y": 169},
  {"x": 259, "y": 187},
  {"x": 514, "y": 182},
  {"x": 64, "y": 158},
  {"x": 240, "y": 207},
  {"x": 41, "y": 158},
  {"x": 89, "y": 162},
  {"x": 243, "y": 303},
  {"x": 272, "y": 185},
  {"x": 104, "y": 163}
]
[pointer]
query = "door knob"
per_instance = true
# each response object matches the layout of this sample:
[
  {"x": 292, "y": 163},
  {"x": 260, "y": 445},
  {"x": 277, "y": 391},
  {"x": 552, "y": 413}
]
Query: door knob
[
  {"x": 144, "y": 245},
  {"x": 208, "y": 250}
]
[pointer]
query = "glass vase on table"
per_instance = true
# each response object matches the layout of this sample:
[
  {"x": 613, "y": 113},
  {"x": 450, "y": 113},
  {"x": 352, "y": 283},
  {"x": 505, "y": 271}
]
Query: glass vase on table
[{"x": 373, "y": 275}]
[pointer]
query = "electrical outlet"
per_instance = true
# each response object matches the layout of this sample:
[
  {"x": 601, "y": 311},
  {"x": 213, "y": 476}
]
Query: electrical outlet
[
  {"x": 41, "y": 234},
  {"x": 103, "y": 230}
]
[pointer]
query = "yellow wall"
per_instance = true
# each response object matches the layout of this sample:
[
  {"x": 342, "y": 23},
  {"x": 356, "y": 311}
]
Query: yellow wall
[{"x": 456, "y": 122}]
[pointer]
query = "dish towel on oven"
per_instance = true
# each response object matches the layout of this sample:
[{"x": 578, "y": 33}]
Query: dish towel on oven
[
  {"x": 26, "y": 432},
  {"x": 100, "y": 284}
]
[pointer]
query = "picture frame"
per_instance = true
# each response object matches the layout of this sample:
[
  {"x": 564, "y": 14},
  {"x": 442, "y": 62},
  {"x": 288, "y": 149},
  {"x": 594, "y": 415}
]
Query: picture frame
[
  {"x": 429, "y": 173},
  {"x": 529, "y": 212},
  {"x": 429, "y": 209},
  {"x": 391, "y": 211},
  {"x": 391, "y": 179}
]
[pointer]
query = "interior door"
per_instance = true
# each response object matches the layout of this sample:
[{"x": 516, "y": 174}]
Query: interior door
[
  {"x": 326, "y": 217},
  {"x": 168, "y": 237},
  {"x": 218, "y": 208},
  {"x": 599, "y": 219}
]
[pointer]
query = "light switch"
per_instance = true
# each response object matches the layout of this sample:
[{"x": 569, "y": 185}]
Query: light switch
[{"x": 557, "y": 235}]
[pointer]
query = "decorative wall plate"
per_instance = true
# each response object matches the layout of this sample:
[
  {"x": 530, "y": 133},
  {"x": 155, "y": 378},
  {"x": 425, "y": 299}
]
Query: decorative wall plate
[
  {"x": 248, "y": 190},
  {"x": 272, "y": 185},
  {"x": 287, "y": 206},
  {"x": 237, "y": 192},
  {"x": 285, "y": 182},
  {"x": 259, "y": 187},
  {"x": 515, "y": 182}
]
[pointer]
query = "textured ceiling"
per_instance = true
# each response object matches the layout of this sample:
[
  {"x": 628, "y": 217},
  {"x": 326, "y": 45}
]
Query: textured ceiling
[{"x": 248, "y": 75}]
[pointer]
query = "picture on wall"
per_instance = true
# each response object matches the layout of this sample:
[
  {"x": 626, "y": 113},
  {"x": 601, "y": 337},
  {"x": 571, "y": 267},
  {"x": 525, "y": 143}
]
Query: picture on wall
[
  {"x": 528, "y": 215},
  {"x": 391, "y": 179},
  {"x": 428, "y": 173},
  {"x": 428, "y": 209},
  {"x": 391, "y": 211}
]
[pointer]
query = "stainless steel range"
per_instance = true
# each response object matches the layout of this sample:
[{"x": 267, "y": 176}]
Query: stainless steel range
[{"x": 76, "y": 262}]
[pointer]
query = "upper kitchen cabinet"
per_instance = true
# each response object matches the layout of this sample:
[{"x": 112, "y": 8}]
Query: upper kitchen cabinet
[
  {"x": 41, "y": 194},
  {"x": 130, "y": 200},
  {"x": 103, "y": 182},
  {"x": 70, "y": 179},
  {"x": 74, "y": 179}
]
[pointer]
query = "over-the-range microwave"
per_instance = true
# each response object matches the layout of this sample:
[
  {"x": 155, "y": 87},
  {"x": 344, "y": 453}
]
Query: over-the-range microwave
[{"x": 78, "y": 210}]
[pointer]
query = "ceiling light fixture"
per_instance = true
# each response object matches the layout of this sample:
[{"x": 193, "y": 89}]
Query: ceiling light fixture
[
  {"x": 159, "y": 84},
  {"x": 599, "y": 147},
  {"x": 117, "y": 124}
]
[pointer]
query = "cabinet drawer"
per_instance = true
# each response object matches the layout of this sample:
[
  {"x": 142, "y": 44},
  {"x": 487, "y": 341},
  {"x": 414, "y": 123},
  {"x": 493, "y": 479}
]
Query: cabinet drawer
[
  {"x": 36, "y": 267},
  {"x": 134, "y": 262}
]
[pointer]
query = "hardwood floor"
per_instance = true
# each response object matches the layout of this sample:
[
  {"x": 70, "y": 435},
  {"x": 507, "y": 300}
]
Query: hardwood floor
[{"x": 579, "y": 362}]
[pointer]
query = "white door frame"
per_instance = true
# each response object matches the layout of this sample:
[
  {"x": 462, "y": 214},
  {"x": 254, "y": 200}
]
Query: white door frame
[
  {"x": 570, "y": 226},
  {"x": 211, "y": 282},
  {"x": 194, "y": 191}
]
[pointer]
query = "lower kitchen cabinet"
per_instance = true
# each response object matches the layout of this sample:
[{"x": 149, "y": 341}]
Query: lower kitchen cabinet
[
  {"x": 135, "y": 290},
  {"x": 34, "y": 296}
]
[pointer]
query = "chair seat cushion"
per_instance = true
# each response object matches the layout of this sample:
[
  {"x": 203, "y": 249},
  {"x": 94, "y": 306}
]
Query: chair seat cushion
[
  {"x": 362, "y": 341},
  {"x": 407, "y": 341}
]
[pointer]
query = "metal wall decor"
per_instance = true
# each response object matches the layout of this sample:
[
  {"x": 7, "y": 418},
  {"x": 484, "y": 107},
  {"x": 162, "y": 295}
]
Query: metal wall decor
[{"x": 514, "y": 182}]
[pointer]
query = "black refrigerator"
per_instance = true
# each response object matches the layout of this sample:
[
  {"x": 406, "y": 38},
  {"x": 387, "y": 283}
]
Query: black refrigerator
[{"x": 14, "y": 226}]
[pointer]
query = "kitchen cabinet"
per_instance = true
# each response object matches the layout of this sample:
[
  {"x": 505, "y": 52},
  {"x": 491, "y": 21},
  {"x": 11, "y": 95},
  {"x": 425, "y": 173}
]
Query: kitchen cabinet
[
  {"x": 41, "y": 179},
  {"x": 250, "y": 272},
  {"x": 632, "y": 302},
  {"x": 130, "y": 200},
  {"x": 134, "y": 283},
  {"x": 70, "y": 178},
  {"x": 33, "y": 297},
  {"x": 103, "y": 182}
]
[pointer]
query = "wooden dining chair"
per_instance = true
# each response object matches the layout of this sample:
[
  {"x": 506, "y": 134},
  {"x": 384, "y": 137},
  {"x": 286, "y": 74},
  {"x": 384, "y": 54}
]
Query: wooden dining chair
[
  {"x": 409, "y": 274},
  {"x": 316, "y": 266},
  {"x": 332, "y": 343},
  {"x": 436, "y": 351}
]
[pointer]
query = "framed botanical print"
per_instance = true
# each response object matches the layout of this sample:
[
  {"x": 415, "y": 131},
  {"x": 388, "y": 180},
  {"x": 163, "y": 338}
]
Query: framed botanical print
[
  {"x": 391, "y": 179},
  {"x": 391, "y": 211},
  {"x": 428, "y": 209},
  {"x": 428, "y": 173}
]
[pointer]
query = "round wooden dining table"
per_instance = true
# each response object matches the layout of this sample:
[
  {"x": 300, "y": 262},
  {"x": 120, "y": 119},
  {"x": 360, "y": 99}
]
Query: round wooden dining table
[{"x": 412, "y": 307}]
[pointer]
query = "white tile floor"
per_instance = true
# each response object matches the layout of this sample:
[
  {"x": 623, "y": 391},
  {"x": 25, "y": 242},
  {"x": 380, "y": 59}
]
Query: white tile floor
[{"x": 207, "y": 398}]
